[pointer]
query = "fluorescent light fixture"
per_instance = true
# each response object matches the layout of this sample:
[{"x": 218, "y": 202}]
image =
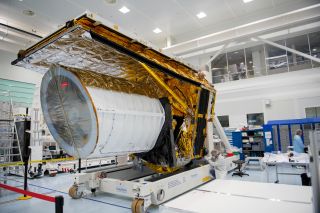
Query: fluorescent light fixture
[
  {"x": 157, "y": 30},
  {"x": 201, "y": 15},
  {"x": 28, "y": 12},
  {"x": 247, "y": 1},
  {"x": 124, "y": 10}
]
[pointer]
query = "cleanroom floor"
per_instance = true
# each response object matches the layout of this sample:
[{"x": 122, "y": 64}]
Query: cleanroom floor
[{"x": 60, "y": 184}]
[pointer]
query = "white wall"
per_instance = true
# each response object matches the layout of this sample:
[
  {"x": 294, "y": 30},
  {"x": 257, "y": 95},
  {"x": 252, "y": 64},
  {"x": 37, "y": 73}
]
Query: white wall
[
  {"x": 289, "y": 93},
  {"x": 7, "y": 71}
]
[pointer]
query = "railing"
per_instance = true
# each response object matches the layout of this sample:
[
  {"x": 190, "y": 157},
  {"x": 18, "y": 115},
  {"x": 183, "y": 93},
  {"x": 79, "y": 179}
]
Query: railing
[{"x": 270, "y": 68}]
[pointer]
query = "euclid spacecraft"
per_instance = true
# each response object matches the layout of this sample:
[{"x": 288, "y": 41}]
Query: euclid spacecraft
[{"x": 105, "y": 94}]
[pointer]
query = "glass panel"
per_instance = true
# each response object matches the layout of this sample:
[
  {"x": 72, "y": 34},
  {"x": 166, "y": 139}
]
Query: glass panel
[
  {"x": 276, "y": 59},
  {"x": 298, "y": 62},
  {"x": 284, "y": 138},
  {"x": 255, "y": 58},
  {"x": 275, "y": 138},
  {"x": 317, "y": 111},
  {"x": 236, "y": 65},
  {"x": 255, "y": 119},
  {"x": 311, "y": 112},
  {"x": 224, "y": 120},
  {"x": 306, "y": 128},
  {"x": 20, "y": 93},
  {"x": 219, "y": 69},
  {"x": 314, "y": 39}
]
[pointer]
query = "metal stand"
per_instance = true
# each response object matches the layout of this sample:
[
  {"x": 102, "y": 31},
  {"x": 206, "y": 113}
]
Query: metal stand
[
  {"x": 26, "y": 154},
  {"x": 59, "y": 204},
  {"x": 314, "y": 169},
  {"x": 79, "y": 165},
  {"x": 144, "y": 187}
]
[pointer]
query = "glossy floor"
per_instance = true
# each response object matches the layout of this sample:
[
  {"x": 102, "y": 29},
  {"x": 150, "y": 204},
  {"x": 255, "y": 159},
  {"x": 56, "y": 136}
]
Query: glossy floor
[{"x": 60, "y": 184}]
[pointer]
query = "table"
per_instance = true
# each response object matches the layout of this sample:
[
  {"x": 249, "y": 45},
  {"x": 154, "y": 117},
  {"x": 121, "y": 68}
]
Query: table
[{"x": 277, "y": 160}]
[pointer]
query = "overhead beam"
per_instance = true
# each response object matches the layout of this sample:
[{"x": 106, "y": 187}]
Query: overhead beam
[
  {"x": 20, "y": 30},
  {"x": 278, "y": 22},
  {"x": 217, "y": 53}
]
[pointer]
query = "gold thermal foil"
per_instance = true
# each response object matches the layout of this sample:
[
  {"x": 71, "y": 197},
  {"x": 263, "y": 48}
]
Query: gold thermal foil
[{"x": 144, "y": 85}]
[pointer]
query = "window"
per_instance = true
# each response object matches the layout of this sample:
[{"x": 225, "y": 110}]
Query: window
[
  {"x": 276, "y": 58},
  {"x": 219, "y": 69},
  {"x": 314, "y": 39},
  {"x": 298, "y": 62},
  {"x": 255, "y": 119},
  {"x": 236, "y": 65},
  {"x": 224, "y": 120},
  {"x": 266, "y": 59},
  {"x": 312, "y": 112}
]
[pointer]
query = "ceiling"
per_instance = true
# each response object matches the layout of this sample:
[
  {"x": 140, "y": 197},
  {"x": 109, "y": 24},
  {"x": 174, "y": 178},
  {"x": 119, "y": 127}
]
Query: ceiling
[{"x": 176, "y": 18}]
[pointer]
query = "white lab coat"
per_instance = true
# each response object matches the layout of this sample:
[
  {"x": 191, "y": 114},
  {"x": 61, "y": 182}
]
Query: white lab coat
[{"x": 219, "y": 166}]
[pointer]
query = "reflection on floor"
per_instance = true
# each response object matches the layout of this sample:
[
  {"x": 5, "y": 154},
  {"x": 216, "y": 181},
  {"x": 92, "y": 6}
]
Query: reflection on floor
[{"x": 60, "y": 184}]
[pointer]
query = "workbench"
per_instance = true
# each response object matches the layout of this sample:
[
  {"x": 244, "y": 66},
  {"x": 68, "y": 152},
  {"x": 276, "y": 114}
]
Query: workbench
[{"x": 282, "y": 159}]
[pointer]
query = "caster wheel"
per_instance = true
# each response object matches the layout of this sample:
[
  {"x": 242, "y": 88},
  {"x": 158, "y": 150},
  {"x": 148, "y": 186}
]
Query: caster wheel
[
  {"x": 74, "y": 192},
  {"x": 93, "y": 191},
  {"x": 137, "y": 206}
]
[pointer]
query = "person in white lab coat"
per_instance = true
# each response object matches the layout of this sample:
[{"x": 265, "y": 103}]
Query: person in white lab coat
[
  {"x": 298, "y": 145},
  {"x": 218, "y": 164}
]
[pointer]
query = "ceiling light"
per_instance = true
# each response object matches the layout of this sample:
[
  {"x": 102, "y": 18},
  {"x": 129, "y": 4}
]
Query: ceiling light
[
  {"x": 201, "y": 15},
  {"x": 247, "y": 1},
  {"x": 110, "y": 1},
  {"x": 314, "y": 49},
  {"x": 236, "y": 52},
  {"x": 124, "y": 10},
  {"x": 157, "y": 30}
]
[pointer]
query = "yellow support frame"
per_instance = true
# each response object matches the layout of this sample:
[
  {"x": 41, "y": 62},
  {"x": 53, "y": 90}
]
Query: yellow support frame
[{"x": 165, "y": 86}]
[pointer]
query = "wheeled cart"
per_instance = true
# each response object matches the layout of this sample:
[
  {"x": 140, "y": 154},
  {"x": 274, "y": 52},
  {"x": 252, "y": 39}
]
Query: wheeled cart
[{"x": 141, "y": 184}]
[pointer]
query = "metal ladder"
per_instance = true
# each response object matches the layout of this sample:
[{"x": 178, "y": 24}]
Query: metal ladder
[{"x": 10, "y": 149}]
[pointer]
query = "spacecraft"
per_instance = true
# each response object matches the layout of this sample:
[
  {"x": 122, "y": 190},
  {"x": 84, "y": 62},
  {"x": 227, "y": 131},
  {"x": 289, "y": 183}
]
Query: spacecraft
[{"x": 106, "y": 94}]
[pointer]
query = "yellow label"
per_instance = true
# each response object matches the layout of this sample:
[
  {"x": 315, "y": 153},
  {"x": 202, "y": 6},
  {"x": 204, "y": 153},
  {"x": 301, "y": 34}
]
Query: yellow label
[{"x": 206, "y": 179}]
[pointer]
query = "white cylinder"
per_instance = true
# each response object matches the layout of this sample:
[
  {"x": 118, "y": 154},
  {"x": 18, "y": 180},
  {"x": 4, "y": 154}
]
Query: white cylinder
[{"x": 92, "y": 122}]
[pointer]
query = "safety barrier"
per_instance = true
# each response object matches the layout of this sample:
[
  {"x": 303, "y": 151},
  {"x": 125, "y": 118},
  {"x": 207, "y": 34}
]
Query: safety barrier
[
  {"x": 19, "y": 163},
  {"x": 58, "y": 200}
]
